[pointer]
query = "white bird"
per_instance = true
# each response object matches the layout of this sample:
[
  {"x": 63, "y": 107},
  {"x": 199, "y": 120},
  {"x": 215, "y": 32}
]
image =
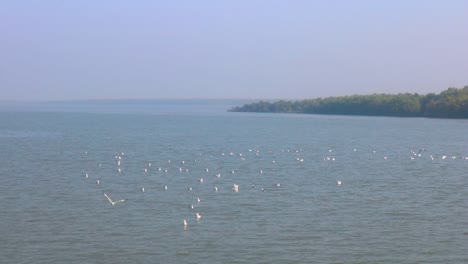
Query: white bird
[
  {"x": 143, "y": 189},
  {"x": 146, "y": 170},
  {"x": 149, "y": 164},
  {"x": 113, "y": 202},
  {"x": 165, "y": 187},
  {"x": 97, "y": 182},
  {"x": 185, "y": 224},
  {"x": 198, "y": 216},
  {"x": 200, "y": 180},
  {"x": 338, "y": 183},
  {"x": 120, "y": 170},
  {"x": 260, "y": 171},
  {"x": 235, "y": 187},
  {"x": 86, "y": 176},
  {"x": 198, "y": 199}
]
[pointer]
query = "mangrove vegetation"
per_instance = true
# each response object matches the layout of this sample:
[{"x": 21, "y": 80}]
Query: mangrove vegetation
[{"x": 451, "y": 103}]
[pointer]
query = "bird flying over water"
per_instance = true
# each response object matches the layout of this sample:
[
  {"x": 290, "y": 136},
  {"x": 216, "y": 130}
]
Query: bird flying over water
[{"x": 113, "y": 202}]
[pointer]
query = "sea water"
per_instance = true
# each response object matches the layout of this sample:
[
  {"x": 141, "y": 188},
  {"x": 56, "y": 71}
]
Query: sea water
[{"x": 403, "y": 194}]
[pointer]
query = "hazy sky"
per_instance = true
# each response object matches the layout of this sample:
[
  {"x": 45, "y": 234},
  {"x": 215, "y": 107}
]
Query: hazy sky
[{"x": 55, "y": 50}]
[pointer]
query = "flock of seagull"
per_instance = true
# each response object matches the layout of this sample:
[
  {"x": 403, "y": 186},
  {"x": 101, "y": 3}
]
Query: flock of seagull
[{"x": 181, "y": 166}]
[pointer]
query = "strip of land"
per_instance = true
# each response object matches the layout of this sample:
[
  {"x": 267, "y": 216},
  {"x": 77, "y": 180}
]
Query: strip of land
[{"x": 451, "y": 103}]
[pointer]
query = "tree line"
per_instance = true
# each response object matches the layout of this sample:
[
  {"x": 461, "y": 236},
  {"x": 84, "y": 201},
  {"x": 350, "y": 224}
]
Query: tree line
[{"x": 451, "y": 103}]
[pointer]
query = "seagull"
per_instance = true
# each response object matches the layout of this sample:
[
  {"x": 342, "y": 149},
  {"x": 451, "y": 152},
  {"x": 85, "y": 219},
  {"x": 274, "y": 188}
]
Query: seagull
[
  {"x": 97, "y": 182},
  {"x": 86, "y": 176},
  {"x": 236, "y": 187},
  {"x": 198, "y": 216},
  {"x": 338, "y": 183},
  {"x": 198, "y": 199},
  {"x": 143, "y": 189},
  {"x": 215, "y": 189},
  {"x": 185, "y": 224},
  {"x": 190, "y": 206},
  {"x": 113, "y": 202},
  {"x": 200, "y": 180},
  {"x": 165, "y": 187}
]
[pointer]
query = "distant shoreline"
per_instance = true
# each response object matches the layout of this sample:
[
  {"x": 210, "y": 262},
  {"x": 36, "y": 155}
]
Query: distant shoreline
[{"x": 451, "y": 103}]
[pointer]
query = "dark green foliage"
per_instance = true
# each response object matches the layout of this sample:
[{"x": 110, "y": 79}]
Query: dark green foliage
[{"x": 451, "y": 103}]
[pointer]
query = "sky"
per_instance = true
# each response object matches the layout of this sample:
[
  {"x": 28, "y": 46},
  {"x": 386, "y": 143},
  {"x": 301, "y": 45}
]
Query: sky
[{"x": 290, "y": 49}]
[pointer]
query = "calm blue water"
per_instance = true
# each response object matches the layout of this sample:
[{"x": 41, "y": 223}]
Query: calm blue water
[{"x": 403, "y": 197}]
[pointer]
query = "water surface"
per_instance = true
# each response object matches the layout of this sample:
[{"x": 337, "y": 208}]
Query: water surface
[{"x": 402, "y": 200}]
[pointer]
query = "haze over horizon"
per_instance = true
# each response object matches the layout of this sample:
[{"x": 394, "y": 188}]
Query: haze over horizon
[{"x": 81, "y": 50}]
